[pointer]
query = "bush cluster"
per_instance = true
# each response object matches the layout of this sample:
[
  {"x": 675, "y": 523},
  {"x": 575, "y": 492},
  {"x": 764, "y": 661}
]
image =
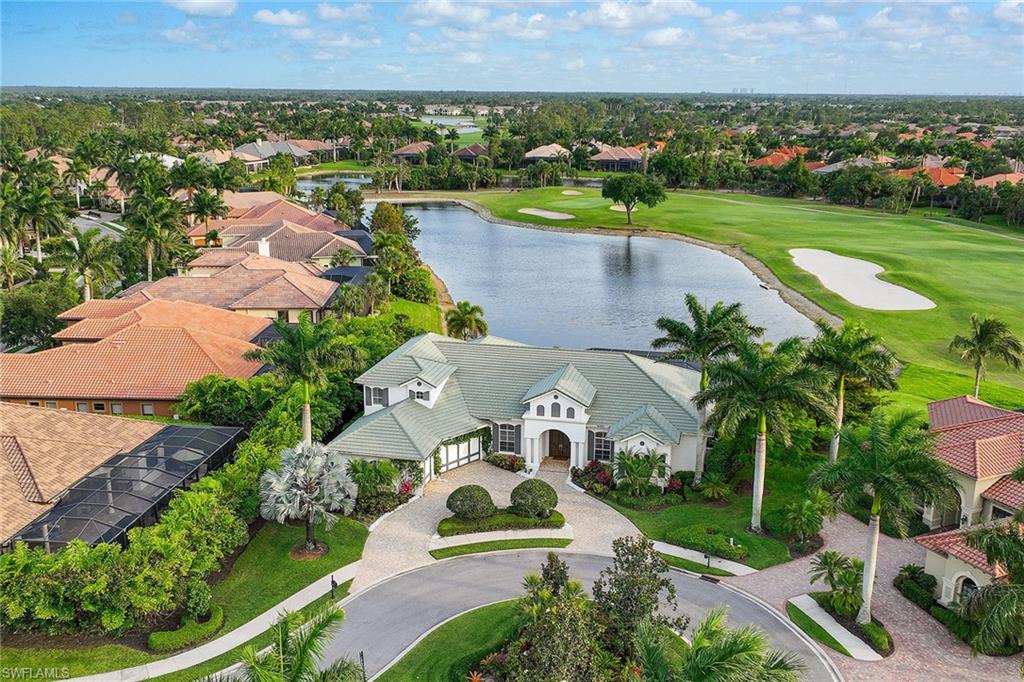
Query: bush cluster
[
  {"x": 414, "y": 284},
  {"x": 511, "y": 463},
  {"x": 966, "y": 630},
  {"x": 470, "y": 503},
  {"x": 879, "y": 637},
  {"x": 502, "y": 520},
  {"x": 375, "y": 506},
  {"x": 708, "y": 539},
  {"x": 190, "y": 632},
  {"x": 916, "y": 585},
  {"x": 534, "y": 498},
  {"x": 595, "y": 478}
]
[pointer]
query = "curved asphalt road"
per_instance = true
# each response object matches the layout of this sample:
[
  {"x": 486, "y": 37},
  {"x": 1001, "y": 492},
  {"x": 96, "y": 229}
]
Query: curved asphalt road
[{"x": 385, "y": 620}]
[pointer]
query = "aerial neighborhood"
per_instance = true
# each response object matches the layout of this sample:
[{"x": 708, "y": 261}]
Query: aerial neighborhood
[{"x": 347, "y": 381}]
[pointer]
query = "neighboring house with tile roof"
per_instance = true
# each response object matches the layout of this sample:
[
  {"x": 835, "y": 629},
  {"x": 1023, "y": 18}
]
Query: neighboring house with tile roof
[
  {"x": 284, "y": 240},
  {"x": 618, "y": 158},
  {"x": 993, "y": 180},
  {"x": 263, "y": 150},
  {"x": 942, "y": 177},
  {"x": 414, "y": 151},
  {"x": 780, "y": 157},
  {"x": 983, "y": 445},
  {"x": 470, "y": 153},
  {"x": 539, "y": 403},
  {"x": 262, "y": 216},
  {"x": 545, "y": 152},
  {"x": 139, "y": 370}
]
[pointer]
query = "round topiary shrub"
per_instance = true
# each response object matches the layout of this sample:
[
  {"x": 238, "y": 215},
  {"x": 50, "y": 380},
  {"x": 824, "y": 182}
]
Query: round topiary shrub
[
  {"x": 534, "y": 498},
  {"x": 470, "y": 502}
]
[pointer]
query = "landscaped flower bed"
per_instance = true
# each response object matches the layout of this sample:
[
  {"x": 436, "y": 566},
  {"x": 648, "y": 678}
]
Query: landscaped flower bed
[
  {"x": 503, "y": 519},
  {"x": 873, "y": 634},
  {"x": 533, "y": 506},
  {"x": 707, "y": 538},
  {"x": 511, "y": 463}
]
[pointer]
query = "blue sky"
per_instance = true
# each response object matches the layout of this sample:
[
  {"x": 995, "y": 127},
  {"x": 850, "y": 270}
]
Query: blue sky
[{"x": 663, "y": 46}]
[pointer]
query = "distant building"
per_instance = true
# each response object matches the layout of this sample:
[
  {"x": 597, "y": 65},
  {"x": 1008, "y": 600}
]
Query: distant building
[
  {"x": 618, "y": 159},
  {"x": 284, "y": 240},
  {"x": 547, "y": 152},
  {"x": 779, "y": 157},
  {"x": 411, "y": 152},
  {"x": 993, "y": 180},
  {"x": 470, "y": 153},
  {"x": 264, "y": 151}
]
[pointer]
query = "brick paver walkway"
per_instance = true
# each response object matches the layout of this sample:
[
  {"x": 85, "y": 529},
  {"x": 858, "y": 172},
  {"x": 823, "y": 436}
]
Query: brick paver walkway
[{"x": 925, "y": 650}]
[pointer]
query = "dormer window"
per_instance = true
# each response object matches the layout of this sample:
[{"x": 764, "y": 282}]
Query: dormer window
[
  {"x": 540, "y": 410},
  {"x": 570, "y": 413},
  {"x": 422, "y": 395},
  {"x": 378, "y": 396},
  {"x": 556, "y": 410}
]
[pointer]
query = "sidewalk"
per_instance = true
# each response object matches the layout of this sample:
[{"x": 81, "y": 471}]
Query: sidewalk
[
  {"x": 438, "y": 542},
  {"x": 698, "y": 557}
]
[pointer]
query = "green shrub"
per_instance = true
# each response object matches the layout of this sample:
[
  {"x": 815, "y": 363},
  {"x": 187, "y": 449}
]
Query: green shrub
[
  {"x": 190, "y": 632},
  {"x": 511, "y": 463},
  {"x": 915, "y": 593},
  {"x": 374, "y": 506},
  {"x": 708, "y": 539},
  {"x": 880, "y": 641},
  {"x": 470, "y": 502},
  {"x": 534, "y": 498},
  {"x": 414, "y": 284},
  {"x": 714, "y": 487},
  {"x": 503, "y": 520},
  {"x": 197, "y": 599},
  {"x": 652, "y": 502}
]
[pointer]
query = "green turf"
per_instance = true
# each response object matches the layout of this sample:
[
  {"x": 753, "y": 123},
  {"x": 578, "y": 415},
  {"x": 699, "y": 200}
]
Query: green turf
[
  {"x": 451, "y": 651},
  {"x": 963, "y": 270},
  {"x": 784, "y": 484},
  {"x": 343, "y": 165},
  {"x": 497, "y": 546},
  {"x": 694, "y": 567},
  {"x": 813, "y": 630},
  {"x": 425, "y": 316},
  {"x": 264, "y": 563},
  {"x": 920, "y": 385}
]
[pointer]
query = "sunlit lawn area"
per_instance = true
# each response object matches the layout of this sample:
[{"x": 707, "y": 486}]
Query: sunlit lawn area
[
  {"x": 425, "y": 316},
  {"x": 497, "y": 546},
  {"x": 343, "y": 165},
  {"x": 813, "y": 630}
]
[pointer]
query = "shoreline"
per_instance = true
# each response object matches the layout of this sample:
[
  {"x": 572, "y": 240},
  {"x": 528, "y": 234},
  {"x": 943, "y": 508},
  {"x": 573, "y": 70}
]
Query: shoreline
[
  {"x": 444, "y": 297},
  {"x": 792, "y": 297}
]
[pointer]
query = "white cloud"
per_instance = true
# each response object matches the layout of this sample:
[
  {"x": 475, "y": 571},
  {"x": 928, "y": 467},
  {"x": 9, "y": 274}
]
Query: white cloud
[
  {"x": 469, "y": 58},
  {"x": 186, "y": 33},
  {"x": 791, "y": 10},
  {"x": 204, "y": 8},
  {"x": 434, "y": 12},
  {"x": 905, "y": 28},
  {"x": 323, "y": 56},
  {"x": 533, "y": 27},
  {"x": 391, "y": 68},
  {"x": 620, "y": 15},
  {"x": 300, "y": 33},
  {"x": 959, "y": 13},
  {"x": 346, "y": 41},
  {"x": 666, "y": 37},
  {"x": 1010, "y": 11},
  {"x": 825, "y": 24},
  {"x": 574, "y": 65},
  {"x": 280, "y": 18},
  {"x": 325, "y": 11}
]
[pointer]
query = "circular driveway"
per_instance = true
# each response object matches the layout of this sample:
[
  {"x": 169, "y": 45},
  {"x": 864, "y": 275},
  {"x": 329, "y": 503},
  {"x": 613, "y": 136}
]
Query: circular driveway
[{"x": 385, "y": 620}]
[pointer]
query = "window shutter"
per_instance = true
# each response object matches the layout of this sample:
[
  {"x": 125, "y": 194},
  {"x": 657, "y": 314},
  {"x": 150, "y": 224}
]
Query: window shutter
[
  {"x": 494, "y": 438},
  {"x": 611, "y": 450},
  {"x": 519, "y": 439},
  {"x": 367, "y": 395},
  {"x": 590, "y": 445},
  {"x": 384, "y": 398}
]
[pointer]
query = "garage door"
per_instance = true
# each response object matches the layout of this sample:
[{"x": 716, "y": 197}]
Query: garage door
[{"x": 459, "y": 454}]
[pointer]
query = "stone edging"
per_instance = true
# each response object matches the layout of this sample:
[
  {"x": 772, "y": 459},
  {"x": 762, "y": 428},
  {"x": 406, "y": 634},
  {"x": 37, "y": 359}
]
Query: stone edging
[
  {"x": 853, "y": 644},
  {"x": 373, "y": 526},
  {"x": 563, "y": 533}
]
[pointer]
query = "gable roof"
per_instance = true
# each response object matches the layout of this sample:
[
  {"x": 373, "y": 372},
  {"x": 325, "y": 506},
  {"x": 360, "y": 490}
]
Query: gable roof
[
  {"x": 265, "y": 150},
  {"x": 546, "y": 151},
  {"x": 413, "y": 149},
  {"x": 294, "y": 243},
  {"x": 953, "y": 543},
  {"x": 1006, "y": 492},
  {"x": 963, "y": 409},
  {"x": 471, "y": 151},
  {"x": 164, "y": 313},
  {"x": 137, "y": 363},
  {"x": 567, "y": 380},
  {"x": 977, "y": 439},
  {"x": 618, "y": 154},
  {"x": 43, "y": 451},
  {"x": 644, "y": 419}
]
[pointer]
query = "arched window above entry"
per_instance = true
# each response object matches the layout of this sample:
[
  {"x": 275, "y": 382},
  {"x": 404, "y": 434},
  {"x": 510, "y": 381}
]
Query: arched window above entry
[
  {"x": 570, "y": 413},
  {"x": 556, "y": 410},
  {"x": 540, "y": 410}
]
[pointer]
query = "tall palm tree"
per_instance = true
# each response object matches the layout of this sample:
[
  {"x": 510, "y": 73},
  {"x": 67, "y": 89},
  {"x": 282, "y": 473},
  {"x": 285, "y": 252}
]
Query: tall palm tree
[
  {"x": 318, "y": 198},
  {"x": 717, "y": 653},
  {"x": 998, "y": 608},
  {"x": 206, "y": 205},
  {"x": 88, "y": 254},
  {"x": 296, "y": 651},
  {"x": 189, "y": 175},
  {"x": 75, "y": 178},
  {"x": 222, "y": 178},
  {"x": 465, "y": 321},
  {"x": 350, "y": 300},
  {"x": 989, "y": 337},
  {"x": 150, "y": 222},
  {"x": 13, "y": 266},
  {"x": 893, "y": 461},
  {"x": 851, "y": 352},
  {"x": 39, "y": 210},
  {"x": 713, "y": 334},
  {"x": 375, "y": 288},
  {"x": 763, "y": 383},
  {"x": 303, "y": 353},
  {"x": 452, "y": 135}
]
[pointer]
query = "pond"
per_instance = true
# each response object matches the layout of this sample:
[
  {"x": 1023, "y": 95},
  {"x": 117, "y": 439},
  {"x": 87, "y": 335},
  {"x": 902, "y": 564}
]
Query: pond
[
  {"x": 306, "y": 184},
  {"x": 586, "y": 290},
  {"x": 463, "y": 125}
]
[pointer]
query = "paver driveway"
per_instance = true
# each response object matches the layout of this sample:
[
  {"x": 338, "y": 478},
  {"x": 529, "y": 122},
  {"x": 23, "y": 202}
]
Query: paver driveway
[{"x": 399, "y": 542}]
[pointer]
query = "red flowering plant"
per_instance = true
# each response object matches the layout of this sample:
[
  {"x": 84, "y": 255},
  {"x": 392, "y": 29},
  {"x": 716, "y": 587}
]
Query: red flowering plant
[{"x": 405, "y": 488}]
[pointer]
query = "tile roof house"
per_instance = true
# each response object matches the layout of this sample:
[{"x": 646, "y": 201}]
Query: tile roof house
[
  {"x": 247, "y": 218},
  {"x": 546, "y": 152},
  {"x": 618, "y": 158},
  {"x": 411, "y": 152},
  {"x": 778, "y": 158},
  {"x": 470, "y": 153},
  {"x": 138, "y": 370},
  {"x": 264, "y": 150},
  {"x": 983, "y": 445},
  {"x": 281, "y": 239},
  {"x": 539, "y": 403},
  {"x": 943, "y": 177},
  {"x": 993, "y": 180}
]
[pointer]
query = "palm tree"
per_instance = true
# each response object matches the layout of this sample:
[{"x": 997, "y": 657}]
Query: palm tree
[
  {"x": 297, "y": 648},
  {"x": 43, "y": 213},
  {"x": 998, "y": 608},
  {"x": 851, "y": 352},
  {"x": 465, "y": 321},
  {"x": 88, "y": 254},
  {"x": 189, "y": 175},
  {"x": 75, "y": 178},
  {"x": 764, "y": 383},
  {"x": 350, "y": 300},
  {"x": 989, "y": 337},
  {"x": 717, "y": 653},
  {"x": 222, "y": 178},
  {"x": 893, "y": 461},
  {"x": 13, "y": 266},
  {"x": 150, "y": 222},
  {"x": 303, "y": 353},
  {"x": 713, "y": 334},
  {"x": 318, "y": 198},
  {"x": 206, "y": 205},
  {"x": 452, "y": 135}
]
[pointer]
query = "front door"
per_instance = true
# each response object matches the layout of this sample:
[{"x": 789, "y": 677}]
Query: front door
[{"x": 558, "y": 445}]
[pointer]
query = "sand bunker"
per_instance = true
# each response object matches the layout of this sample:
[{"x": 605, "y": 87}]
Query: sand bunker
[
  {"x": 571, "y": 193},
  {"x": 857, "y": 281},
  {"x": 622, "y": 209},
  {"x": 550, "y": 215}
]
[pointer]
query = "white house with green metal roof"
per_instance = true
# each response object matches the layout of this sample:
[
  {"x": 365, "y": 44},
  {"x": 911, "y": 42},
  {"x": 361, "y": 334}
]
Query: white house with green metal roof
[{"x": 438, "y": 394}]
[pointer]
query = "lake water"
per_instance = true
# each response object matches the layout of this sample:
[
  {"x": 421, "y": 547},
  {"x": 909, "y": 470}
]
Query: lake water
[
  {"x": 583, "y": 290},
  {"x": 461, "y": 124},
  {"x": 305, "y": 185}
]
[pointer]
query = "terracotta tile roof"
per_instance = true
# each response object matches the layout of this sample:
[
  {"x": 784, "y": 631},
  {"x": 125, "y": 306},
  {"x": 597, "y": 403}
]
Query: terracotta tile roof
[
  {"x": 471, "y": 151},
  {"x": 42, "y": 452},
  {"x": 311, "y": 145},
  {"x": 137, "y": 363},
  {"x": 943, "y": 177},
  {"x": 301, "y": 247},
  {"x": 993, "y": 180},
  {"x": 164, "y": 313},
  {"x": 218, "y": 258},
  {"x": 413, "y": 149},
  {"x": 269, "y": 214},
  {"x": 618, "y": 154},
  {"x": 952, "y": 543},
  {"x": 546, "y": 151},
  {"x": 1006, "y": 492},
  {"x": 101, "y": 307},
  {"x": 961, "y": 410},
  {"x": 780, "y": 157}
]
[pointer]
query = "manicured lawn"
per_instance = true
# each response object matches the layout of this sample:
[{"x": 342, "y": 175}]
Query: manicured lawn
[
  {"x": 497, "y": 546},
  {"x": 262, "y": 576},
  {"x": 451, "y": 651},
  {"x": 502, "y": 520},
  {"x": 693, "y": 566},
  {"x": 813, "y": 630},
  {"x": 962, "y": 269},
  {"x": 425, "y": 316},
  {"x": 343, "y": 165},
  {"x": 920, "y": 385},
  {"x": 784, "y": 484}
]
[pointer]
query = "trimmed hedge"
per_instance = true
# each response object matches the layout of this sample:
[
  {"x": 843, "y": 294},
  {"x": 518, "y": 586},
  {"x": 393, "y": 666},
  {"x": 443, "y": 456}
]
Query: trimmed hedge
[
  {"x": 511, "y": 463},
  {"x": 653, "y": 502},
  {"x": 188, "y": 634},
  {"x": 534, "y": 498},
  {"x": 707, "y": 538},
  {"x": 879, "y": 637},
  {"x": 503, "y": 520},
  {"x": 470, "y": 502},
  {"x": 965, "y": 630}
]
